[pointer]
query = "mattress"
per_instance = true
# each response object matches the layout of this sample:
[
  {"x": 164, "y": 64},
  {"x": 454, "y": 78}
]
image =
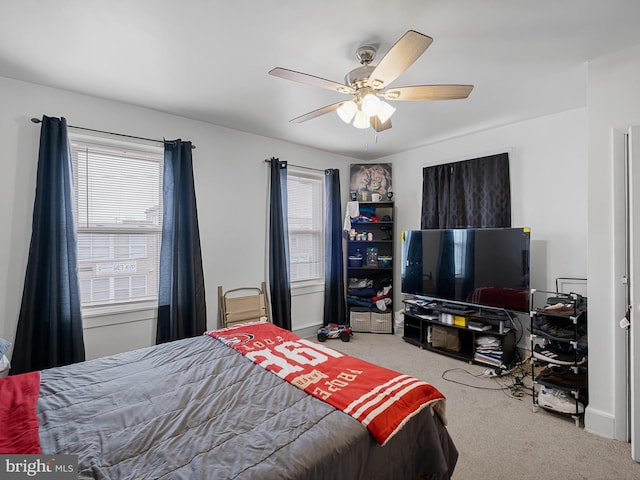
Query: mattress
[{"x": 196, "y": 408}]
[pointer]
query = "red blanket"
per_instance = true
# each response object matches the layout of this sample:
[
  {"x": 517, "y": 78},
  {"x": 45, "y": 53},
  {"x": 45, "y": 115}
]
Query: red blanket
[
  {"x": 18, "y": 397},
  {"x": 379, "y": 398}
]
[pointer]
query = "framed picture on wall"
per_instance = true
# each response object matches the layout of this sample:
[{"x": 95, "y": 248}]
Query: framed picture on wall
[{"x": 371, "y": 182}]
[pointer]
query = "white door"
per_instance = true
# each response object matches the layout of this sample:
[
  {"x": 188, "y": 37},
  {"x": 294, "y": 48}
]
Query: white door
[{"x": 634, "y": 277}]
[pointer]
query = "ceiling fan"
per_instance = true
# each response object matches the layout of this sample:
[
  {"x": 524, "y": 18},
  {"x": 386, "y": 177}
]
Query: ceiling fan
[{"x": 368, "y": 82}]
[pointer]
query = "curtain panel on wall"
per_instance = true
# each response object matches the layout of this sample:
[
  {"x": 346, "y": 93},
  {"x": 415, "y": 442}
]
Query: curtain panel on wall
[
  {"x": 469, "y": 194},
  {"x": 182, "y": 309},
  {"x": 334, "y": 293},
  {"x": 49, "y": 332},
  {"x": 279, "y": 245}
]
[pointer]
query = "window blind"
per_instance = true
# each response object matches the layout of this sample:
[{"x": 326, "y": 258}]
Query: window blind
[
  {"x": 118, "y": 200},
  {"x": 305, "y": 222}
]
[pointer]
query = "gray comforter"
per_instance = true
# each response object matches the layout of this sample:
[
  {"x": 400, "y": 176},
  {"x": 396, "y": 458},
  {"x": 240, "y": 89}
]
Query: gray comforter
[{"x": 195, "y": 409}]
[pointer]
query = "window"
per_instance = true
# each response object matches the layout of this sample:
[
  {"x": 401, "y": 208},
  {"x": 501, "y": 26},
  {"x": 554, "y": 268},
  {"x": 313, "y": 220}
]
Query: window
[
  {"x": 118, "y": 208},
  {"x": 305, "y": 192}
]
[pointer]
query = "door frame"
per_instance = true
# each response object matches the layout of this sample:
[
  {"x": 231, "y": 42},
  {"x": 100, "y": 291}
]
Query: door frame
[{"x": 633, "y": 216}]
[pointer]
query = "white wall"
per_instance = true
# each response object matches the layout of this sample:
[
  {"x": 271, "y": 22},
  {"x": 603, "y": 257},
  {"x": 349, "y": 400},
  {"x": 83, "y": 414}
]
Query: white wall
[
  {"x": 548, "y": 160},
  {"x": 613, "y": 105},
  {"x": 231, "y": 181}
]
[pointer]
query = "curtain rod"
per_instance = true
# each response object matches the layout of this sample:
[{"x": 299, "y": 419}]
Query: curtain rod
[
  {"x": 268, "y": 160},
  {"x": 37, "y": 120}
]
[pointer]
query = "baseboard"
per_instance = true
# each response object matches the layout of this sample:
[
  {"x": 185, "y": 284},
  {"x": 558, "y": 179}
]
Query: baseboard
[
  {"x": 599, "y": 422},
  {"x": 306, "y": 332}
]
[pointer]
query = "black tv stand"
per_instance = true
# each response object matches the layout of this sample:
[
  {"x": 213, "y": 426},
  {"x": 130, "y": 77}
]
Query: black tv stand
[{"x": 465, "y": 325}]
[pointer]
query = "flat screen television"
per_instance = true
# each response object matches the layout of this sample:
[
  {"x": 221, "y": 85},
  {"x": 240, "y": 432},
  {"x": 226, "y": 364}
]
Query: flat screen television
[{"x": 477, "y": 266}]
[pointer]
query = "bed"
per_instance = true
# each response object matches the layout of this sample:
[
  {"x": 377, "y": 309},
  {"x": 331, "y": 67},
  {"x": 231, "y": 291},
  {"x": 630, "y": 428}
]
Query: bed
[{"x": 200, "y": 408}]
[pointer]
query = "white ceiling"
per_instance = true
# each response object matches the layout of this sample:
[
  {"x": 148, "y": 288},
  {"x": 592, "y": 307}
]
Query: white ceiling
[{"x": 208, "y": 60}]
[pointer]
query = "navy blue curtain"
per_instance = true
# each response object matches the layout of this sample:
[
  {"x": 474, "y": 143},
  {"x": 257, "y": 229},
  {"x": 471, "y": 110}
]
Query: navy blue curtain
[
  {"x": 49, "y": 332},
  {"x": 334, "y": 294},
  {"x": 279, "y": 246},
  {"x": 182, "y": 308}
]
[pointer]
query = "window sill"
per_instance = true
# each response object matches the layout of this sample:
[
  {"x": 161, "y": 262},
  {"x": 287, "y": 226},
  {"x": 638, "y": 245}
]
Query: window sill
[
  {"x": 115, "y": 309},
  {"x": 306, "y": 288},
  {"x": 103, "y": 318}
]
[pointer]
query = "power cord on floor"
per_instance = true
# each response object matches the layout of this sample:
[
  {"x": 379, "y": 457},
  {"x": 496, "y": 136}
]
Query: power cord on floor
[
  {"x": 467, "y": 384},
  {"x": 513, "y": 388},
  {"x": 518, "y": 374}
]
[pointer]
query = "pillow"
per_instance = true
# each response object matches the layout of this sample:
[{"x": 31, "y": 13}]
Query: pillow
[
  {"x": 4, "y": 364},
  {"x": 4, "y": 345}
]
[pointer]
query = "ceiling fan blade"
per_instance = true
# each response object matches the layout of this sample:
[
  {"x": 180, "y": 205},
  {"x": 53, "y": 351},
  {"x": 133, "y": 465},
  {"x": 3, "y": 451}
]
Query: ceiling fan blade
[
  {"x": 378, "y": 126},
  {"x": 400, "y": 57},
  {"x": 428, "y": 92},
  {"x": 311, "y": 80},
  {"x": 318, "y": 112}
]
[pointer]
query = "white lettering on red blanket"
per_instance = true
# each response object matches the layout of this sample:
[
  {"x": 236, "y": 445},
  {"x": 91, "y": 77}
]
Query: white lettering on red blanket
[{"x": 381, "y": 399}]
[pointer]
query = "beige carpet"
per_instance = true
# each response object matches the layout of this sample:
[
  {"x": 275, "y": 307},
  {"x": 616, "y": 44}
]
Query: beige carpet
[{"x": 498, "y": 435}]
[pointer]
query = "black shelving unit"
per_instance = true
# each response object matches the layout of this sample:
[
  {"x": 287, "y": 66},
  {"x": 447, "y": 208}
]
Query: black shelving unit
[
  {"x": 546, "y": 322},
  {"x": 372, "y": 241}
]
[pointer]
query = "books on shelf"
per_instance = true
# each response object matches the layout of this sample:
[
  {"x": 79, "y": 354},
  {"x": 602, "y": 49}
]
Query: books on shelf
[
  {"x": 490, "y": 359},
  {"x": 479, "y": 326},
  {"x": 489, "y": 350}
]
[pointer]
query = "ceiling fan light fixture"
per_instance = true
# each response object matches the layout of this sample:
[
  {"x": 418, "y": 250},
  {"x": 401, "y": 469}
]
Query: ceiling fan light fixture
[
  {"x": 361, "y": 120},
  {"x": 367, "y": 84},
  {"x": 347, "y": 110},
  {"x": 370, "y": 104},
  {"x": 385, "y": 111}
]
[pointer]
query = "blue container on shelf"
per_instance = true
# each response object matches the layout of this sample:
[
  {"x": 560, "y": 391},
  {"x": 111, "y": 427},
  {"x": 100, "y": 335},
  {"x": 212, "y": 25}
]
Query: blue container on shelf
[{"x": 355, "y": 260}]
